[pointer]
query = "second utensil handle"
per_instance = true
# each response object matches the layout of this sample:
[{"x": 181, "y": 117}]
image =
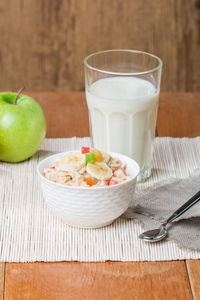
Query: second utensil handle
[{"x": 184, "y": 207}]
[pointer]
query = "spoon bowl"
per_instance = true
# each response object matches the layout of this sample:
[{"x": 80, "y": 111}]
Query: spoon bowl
[{"x": 154, "y": 235}]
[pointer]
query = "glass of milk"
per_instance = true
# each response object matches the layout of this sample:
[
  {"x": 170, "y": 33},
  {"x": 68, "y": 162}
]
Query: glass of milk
[{"x": 122, "y": 91}]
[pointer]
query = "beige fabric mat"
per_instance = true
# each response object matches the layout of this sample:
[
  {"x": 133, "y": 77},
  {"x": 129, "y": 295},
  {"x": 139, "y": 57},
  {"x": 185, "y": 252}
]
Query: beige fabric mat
[{"x": 30, "y": 232}]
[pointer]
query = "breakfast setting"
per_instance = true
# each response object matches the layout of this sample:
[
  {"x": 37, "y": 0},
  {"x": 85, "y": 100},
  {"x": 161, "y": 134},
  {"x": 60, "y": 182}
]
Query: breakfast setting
[{"x": 100, "y": 185}]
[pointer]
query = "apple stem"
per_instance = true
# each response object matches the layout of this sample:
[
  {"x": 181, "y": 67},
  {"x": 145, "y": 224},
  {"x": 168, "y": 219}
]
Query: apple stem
[{"x": 17, "y": 95}]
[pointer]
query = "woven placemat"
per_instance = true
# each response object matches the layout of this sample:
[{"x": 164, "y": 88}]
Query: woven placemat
[{"x": 29, "y": 231}]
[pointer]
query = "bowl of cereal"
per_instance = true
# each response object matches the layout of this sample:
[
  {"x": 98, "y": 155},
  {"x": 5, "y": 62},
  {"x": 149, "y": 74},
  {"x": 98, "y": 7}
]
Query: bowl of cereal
[{"x": 88, "y": 188}]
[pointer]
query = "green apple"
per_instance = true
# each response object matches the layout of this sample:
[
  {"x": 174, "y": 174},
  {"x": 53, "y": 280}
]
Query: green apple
[{"x": 22, "y": 126}]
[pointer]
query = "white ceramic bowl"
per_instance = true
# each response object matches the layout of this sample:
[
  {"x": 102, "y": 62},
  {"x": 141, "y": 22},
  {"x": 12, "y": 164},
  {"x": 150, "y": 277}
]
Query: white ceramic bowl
[{"x": 87, "y": 207}]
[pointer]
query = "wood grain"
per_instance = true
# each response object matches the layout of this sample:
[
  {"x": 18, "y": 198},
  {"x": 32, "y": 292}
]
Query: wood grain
[
  {"x": 2, "y": 277},
  {"x": 97, "y": 281},
  {"x": 178, "y": 115},
  {"x": 43, "y": 43},
  {"x": 67, "y": 114},
  {"x": 193, "y": 267}
]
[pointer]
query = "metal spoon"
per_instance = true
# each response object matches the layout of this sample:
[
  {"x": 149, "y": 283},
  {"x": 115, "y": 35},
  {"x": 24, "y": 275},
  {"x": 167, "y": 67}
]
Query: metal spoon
[{"x": 159, "y": 234}]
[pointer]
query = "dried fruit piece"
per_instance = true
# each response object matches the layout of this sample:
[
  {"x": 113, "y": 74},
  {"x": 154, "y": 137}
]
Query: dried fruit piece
[
  {"x": 112, "y": 182},
  {"x": 97, "y": 154},
  {"x": 85, "y": 150},
  {"x": 89, "y": 181},
  {"x": 89, "y": 157},
  {"x": 124, "y": 171},
  {"x": 120, "y": 173}
]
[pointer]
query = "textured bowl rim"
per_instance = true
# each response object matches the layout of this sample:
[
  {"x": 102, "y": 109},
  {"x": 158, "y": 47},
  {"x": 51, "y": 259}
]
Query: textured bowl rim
[{"x": 85, "y": 187}]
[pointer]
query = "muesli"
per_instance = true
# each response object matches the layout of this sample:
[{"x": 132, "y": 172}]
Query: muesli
[{"x": 89, "y": 168}]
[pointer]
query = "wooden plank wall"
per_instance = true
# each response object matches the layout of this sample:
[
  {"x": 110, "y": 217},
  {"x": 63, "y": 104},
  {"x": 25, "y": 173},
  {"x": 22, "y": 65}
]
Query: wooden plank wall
[{"x": 43, "y": 42}]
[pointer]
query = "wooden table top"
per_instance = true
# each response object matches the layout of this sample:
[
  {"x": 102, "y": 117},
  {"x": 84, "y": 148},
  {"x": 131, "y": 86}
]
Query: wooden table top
[{"x": 66, "y": 114}]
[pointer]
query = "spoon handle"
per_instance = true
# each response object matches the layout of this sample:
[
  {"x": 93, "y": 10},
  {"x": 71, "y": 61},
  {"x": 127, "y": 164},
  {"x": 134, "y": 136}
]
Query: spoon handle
[{"x": 184, "y": 208}]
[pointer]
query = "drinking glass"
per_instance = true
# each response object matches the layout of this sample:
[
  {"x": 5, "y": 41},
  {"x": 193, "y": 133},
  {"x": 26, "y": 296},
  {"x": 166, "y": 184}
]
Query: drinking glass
[{"x": 122, "y": 91}]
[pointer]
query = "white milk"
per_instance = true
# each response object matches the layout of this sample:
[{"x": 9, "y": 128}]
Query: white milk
[{"x": 123, "y": 113}]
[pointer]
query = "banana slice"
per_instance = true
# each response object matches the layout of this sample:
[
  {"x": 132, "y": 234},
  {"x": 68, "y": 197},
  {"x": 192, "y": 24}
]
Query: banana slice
[
  {"x": 71, "y": 162},
  {"x": 106, "y": 156},
  {"x": 99, "y": 170}
]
